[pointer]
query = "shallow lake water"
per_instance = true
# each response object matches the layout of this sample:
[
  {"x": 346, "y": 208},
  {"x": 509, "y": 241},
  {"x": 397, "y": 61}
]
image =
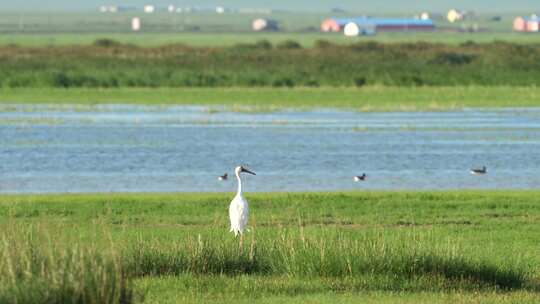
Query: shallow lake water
[{"x": 121, "y": 148}]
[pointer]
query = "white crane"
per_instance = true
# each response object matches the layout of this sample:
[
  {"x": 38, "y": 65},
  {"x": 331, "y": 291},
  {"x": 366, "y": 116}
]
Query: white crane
[{"x": 239, "y": 209}]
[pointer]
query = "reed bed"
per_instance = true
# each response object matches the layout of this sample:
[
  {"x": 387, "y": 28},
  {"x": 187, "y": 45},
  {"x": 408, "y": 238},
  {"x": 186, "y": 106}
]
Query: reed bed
[
  {"x": 400, "y": 262},
  {"x": 35, "y": 268},
  {"x": 263, "y": 64}
]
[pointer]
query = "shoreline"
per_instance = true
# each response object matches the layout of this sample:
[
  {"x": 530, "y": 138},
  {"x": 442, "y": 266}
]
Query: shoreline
[{"x": 264, "y": 99}]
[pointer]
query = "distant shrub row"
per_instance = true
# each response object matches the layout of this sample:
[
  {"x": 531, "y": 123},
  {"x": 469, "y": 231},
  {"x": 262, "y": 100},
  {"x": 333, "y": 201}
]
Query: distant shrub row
[{"x": 108, "y": 63}]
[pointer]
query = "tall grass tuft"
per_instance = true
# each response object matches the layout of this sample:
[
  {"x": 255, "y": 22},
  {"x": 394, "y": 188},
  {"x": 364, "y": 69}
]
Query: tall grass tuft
[
  {"x": 35, "y": 269},
  {"x": 193, "y": 256},
  {"x": 381, "y": 261}
]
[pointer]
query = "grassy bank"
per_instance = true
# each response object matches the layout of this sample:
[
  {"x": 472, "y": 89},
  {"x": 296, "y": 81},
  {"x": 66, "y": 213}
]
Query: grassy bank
[
  {"x": 378, "y": 247},
  {"x": 306, "y": 39},
  {"x": 369, "y": 98},
  {"x": 110, "y": 64}
]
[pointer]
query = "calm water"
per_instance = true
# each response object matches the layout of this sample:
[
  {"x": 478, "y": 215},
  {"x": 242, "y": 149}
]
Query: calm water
[{"x": 139, "y": 148}]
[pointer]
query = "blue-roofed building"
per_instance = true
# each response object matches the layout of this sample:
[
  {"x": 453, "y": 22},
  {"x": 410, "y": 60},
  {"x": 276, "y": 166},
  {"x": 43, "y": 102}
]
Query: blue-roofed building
[{"x": 378, "y": 24}]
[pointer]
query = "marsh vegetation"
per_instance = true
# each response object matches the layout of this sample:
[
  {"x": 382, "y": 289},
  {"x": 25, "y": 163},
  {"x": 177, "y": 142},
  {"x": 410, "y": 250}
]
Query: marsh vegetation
[
  {"x": 166, "y": 247},
  {"x": 110, "y": 64}
]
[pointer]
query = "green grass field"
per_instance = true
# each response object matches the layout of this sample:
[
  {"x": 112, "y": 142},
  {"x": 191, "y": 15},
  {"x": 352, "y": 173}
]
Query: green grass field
[
  {"x": 210, "y": 29},
  {"x": 374, "y": 247},
  {"x": 306, "y": 39},
  {"x": 369, "y": 98}
]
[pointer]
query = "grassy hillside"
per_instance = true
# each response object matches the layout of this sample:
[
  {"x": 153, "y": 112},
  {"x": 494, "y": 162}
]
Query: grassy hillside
[{"x": 421, "y": 247}]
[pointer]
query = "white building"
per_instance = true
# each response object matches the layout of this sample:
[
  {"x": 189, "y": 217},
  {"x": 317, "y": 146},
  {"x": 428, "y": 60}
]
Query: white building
[
  {"x": 149, "y": 9},
  {"x": 454, "y": 15},
  {"x": 261, "y": 24},
  {"x": 135, "y": 24},
  {"x": 353, "y": 29}
]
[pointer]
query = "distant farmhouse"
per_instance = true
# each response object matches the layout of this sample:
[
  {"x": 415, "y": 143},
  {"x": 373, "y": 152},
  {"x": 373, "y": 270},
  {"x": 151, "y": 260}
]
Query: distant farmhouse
[
  {"x": 455, "y": 15},
  {"x": 370, "y": 26},
  {"x": 523, "y": 24},
  {"x": 149, "y": 9},
  {"x": 262, "y": 24},
  {"x": 115, "y": 8}
]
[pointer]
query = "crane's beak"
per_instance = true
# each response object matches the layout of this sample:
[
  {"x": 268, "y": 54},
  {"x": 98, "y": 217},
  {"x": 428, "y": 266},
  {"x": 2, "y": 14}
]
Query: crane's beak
[{"x": 247, "y": 171}]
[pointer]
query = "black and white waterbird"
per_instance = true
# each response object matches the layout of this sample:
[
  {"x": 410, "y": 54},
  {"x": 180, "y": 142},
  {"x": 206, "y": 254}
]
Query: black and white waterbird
[
  {"x": 223, "y": 177},
  {"x": 359, "y": 178},
  {"x": 478, "y": 171}
]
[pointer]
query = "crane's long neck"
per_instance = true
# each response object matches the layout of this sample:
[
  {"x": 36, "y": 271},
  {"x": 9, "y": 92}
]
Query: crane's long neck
[{"x": 239, "y": 192}]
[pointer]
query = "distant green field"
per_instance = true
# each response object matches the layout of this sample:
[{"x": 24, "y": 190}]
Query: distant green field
[
  {"x": 209, "y": 21},
  {"x": 306, "y": 39},
  {"x": 211, "y": 29},
  {"x": 369, "y": 98},
  {"x": 374, "y": 247}
]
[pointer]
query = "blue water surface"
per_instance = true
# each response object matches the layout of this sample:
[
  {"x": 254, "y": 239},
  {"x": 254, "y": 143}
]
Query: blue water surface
[{"x": 125, "y": 148}]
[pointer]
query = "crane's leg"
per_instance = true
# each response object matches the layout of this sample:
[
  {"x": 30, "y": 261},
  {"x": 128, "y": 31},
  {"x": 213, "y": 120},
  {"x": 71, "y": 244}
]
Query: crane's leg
[{"x": 241, "y": 242}]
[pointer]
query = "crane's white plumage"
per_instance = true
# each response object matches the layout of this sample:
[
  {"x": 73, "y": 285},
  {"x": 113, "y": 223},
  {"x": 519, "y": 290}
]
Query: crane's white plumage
[{"x": 239, "y": 208}]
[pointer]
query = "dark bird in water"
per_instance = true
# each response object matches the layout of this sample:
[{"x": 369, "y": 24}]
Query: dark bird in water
[
  {"x": 478, "y": 171},
  {"x": 360, "y": 177},
  {"x": 223, "y": 177}
]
